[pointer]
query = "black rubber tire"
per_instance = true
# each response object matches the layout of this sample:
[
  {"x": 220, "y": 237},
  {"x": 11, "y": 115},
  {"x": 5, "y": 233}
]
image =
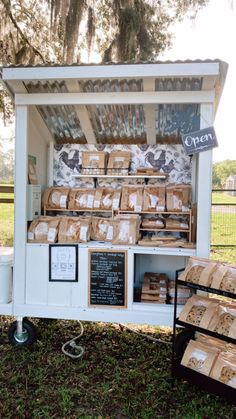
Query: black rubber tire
[
  {"x": 181, "y": 340},
  {"x": 28, "y": 337}
]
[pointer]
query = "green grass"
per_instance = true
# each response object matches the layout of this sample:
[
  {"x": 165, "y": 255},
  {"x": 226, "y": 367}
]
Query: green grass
[
  {"x": 6, "y": 224},
  {"x": 223, "y": 198},
  {"x": 121, "y": 375}
]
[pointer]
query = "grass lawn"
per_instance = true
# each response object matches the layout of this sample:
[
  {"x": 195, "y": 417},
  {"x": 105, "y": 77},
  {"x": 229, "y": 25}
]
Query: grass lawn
[
  {"x": 121, "y": 375},
  {"x": 223, "y": 198}
]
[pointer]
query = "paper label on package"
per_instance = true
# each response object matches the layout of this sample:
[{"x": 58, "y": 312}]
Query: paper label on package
[
  {"x": 183, "y": 225},
  {"x": 30, "y": 235},
  {"x": 103, "y": 228},
  {"x": 63, "y": 200},
  {"x": 107, "y": 202},
  {"x": 119, "y": 159},
  {"x": 110, "y": 233},
  {"x": 177, "y": 203},
  {"x": 83, "y": 233},
  {"x": 137, "y": 208},
  {"x": 160, "y": 208},
  {"x": 90, "y": 201},
  {"x": 232, "y": 381},
  {"x": 93, "y": 157},
  {"x": 115, "y": 204},
  {"x": 96, "y": 203},
  {"x": 154, "y": 201},
  {"x": 123, "y": 234},
  {"x": 185, "y": 208},
  {"x": 52, "y": 234}
]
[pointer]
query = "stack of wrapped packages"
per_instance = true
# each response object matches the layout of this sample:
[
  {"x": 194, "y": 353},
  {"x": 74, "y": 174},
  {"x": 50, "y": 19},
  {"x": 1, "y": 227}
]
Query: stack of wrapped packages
[{"x": 212, "y": 357}]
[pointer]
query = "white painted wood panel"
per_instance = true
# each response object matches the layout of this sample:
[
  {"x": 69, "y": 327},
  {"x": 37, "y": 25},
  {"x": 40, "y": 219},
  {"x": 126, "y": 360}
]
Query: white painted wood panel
[
  {"x": 37, "y": 260},
  {"x": 20, "y": 207},
  {"x": 114, "y": 97},
  {"x": 194, "y": 69},
  {"x": 204, "y": 183}
]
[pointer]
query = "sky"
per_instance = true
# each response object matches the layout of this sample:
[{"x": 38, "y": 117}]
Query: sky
[{"x": 210, "y": 36}]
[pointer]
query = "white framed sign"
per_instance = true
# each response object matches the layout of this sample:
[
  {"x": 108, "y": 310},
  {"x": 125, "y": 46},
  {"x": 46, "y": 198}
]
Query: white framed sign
[{"x": 63, "y": 262}]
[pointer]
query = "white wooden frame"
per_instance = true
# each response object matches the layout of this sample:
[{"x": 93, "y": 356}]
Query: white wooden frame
[{"x": 211, "y": 72}]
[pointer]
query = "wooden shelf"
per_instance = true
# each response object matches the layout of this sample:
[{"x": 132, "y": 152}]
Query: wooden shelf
[
  {"x": 76, "y": 210},
  {"x": 141, "y": 176},
  {"x": 166, "y": 229},
  {"x": 156, "y": 212}
]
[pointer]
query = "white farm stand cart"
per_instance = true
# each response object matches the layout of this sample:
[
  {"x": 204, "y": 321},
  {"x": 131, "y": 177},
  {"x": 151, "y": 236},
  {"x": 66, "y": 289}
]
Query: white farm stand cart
[{"x": 141, "y": 107}]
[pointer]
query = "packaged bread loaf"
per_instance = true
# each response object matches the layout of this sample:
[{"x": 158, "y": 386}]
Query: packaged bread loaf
[
  {"x": 199, "y": 271},
  {"x": 224, "y": 369},
  {"x": 224, "y": 278},
  {"x": 154, "y": 198},
  {"x": 173, "y": 222},
  {"x": 178, "y": 197},
  {"x": 213, "y": 342},
  {"x": 126, "y": 229},
  {"x": 183, "y": 293},
  {"x": 94, "y": 162},
  {"x": 102, "y": 229},
  {"x": 224, "y": 320},
  {"x": 110, "y": 199},
  {"x": 118, "y": 163},
  {"x": 154, "y": 288},
  {"x": 200, "y": 357},
  {"x": 199, "y": 311},
  {"x": 153, "y": 223},
  {"x": 132, "y": 198},
  {"x": 44, "y": 230},
  {"x": 56, "y": 197},
  {"x": 74, "y": 230},
  {"x": 81, "y": 199}
]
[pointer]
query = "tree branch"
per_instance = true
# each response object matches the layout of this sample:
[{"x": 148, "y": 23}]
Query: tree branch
[{"x": 7, "y": 6}]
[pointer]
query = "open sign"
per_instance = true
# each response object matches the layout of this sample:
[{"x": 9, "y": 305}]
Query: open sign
[{"x": 201, "y": 140}]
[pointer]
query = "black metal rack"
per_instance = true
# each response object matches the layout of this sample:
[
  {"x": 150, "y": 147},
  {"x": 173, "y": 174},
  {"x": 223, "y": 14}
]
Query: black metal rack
[{"x": 207, "y": 383}]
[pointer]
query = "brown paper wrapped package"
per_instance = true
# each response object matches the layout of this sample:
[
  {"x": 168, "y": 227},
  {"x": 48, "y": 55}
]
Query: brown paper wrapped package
[
  {"x": 118, "y": 163},
  {"x": 74, "y": 230},
  {"x": 153, "y": 223},
  {"x": 199, "y": 357},
  {"x": 126, "y": 229},
  {"x": 224, "y": 320},
  {"x": 199, "y": 311},
  {"x": 81, "y": 199},
  {"x": 44, "y": 230},
  {"x": 55, "y": 198},
  {"x": 154, "y": 198},
  {"x": 178, "y": 197},
  {"x": 132, "y": 198},
  {"x": 224, "y": 278},
  {"x": 199, "y": 271},
  {"x": 224, "y": 369},
  {"x": 102, "y": 229},
  {"x": 110, "y": 199},
  {"x": 94, "y": 162}
]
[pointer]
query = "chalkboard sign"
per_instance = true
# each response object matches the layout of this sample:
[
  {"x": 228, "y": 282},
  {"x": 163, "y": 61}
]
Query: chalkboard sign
[
  {"x": 107, "y": 278},
  {"x": 201, "y": 140}
]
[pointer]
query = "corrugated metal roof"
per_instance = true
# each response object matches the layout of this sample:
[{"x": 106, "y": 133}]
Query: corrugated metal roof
[{"x": 118, "y": 123}]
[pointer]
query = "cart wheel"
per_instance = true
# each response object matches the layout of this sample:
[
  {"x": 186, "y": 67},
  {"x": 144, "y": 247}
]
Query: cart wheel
[
  {"x": 181, "y": 341},
  {"x": 26, "y": 338}
]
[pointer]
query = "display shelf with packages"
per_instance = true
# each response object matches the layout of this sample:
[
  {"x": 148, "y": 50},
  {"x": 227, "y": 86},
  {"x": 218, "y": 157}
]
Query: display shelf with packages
[{"x": 189, "y": 359}]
